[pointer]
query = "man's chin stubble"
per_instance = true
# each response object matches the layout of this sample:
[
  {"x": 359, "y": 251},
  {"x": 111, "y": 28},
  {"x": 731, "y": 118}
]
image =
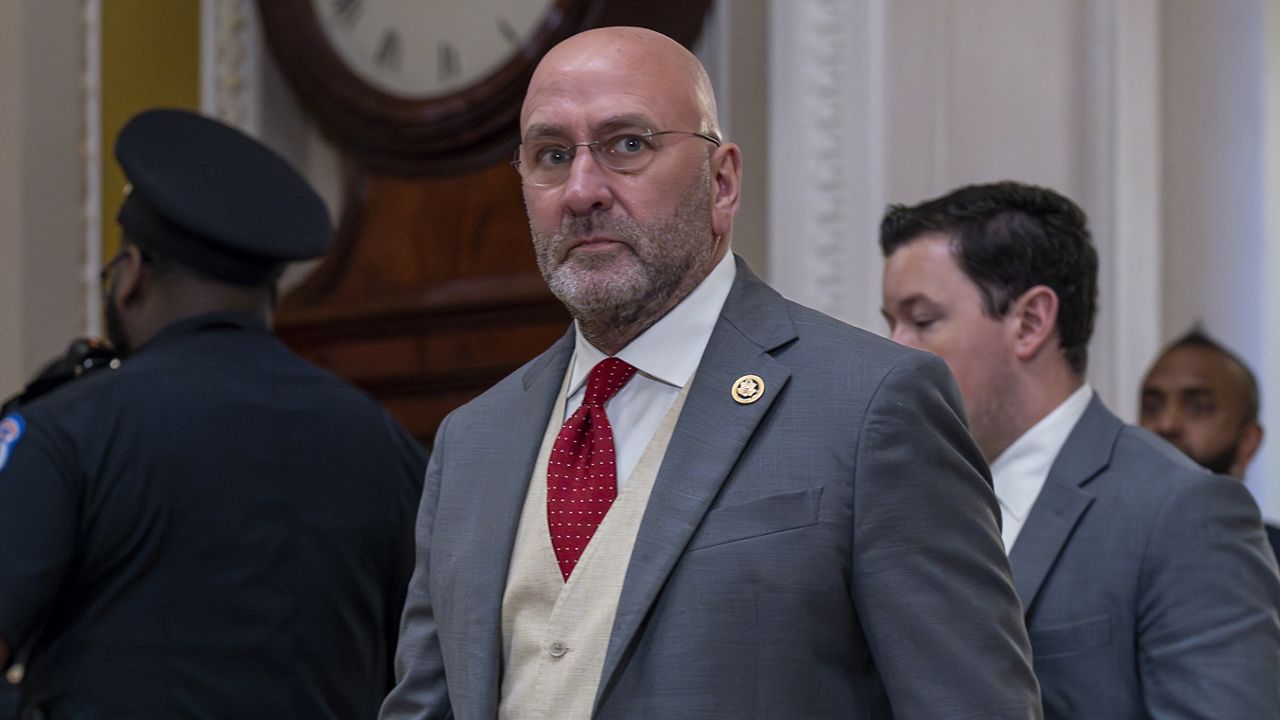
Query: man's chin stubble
[{"x": 612, "y": 299}]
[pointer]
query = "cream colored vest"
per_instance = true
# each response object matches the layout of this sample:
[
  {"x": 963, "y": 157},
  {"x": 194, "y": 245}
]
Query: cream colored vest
[{"x": 555, "y": 633}]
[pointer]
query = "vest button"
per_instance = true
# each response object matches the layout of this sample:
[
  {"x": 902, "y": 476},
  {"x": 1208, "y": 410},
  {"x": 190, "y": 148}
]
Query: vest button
[{"x": 558, "y": 649}]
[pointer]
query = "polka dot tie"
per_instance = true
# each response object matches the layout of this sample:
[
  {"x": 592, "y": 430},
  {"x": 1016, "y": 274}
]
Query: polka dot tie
[{"x": 582, "y": 480}]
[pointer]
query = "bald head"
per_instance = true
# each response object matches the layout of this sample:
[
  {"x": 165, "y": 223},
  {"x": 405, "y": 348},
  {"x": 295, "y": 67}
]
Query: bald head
[
  {"x": 625, "y": 231},
  {"x": 638, "y": 62},
  {"x": 1202, "y": 398}
]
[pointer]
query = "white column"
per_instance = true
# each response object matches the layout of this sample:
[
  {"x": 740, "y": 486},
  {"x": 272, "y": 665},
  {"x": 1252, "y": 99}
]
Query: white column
[
  {"x": 1216, "y": 196},
  {"x": 41, "y": 186},
  {"x": 826, "y": 154},
  {"x": 1121, "y": 190},
  {"x": 874, "y": 102}
]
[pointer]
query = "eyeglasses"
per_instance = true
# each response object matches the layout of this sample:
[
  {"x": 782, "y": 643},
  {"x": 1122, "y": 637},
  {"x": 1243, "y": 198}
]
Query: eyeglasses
[
  {"x": 546, "y": 161},
  {"x": 106, "y": 269},
  {"x": 105, "y": 272}
]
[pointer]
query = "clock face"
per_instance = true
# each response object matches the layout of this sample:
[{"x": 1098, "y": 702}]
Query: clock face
[{"x": 422, "y": 49}]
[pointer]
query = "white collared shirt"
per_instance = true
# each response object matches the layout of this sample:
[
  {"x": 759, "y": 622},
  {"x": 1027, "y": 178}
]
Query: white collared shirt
[
  {"x": 666, "y": 355},
  {"x": 1021, "y": 470}
]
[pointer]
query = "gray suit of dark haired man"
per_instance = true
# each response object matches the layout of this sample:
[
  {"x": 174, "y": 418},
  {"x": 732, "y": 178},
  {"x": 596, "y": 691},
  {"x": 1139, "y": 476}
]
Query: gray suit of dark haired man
[{"x": 1148, "y": 586}]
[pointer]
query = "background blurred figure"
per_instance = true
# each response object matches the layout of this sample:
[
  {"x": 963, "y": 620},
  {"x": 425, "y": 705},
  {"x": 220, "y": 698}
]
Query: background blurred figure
[
  {"x": 1201, "y": 397},
  {"x": 216, "y": 528},
  {"x": 1147, "y": 584}
]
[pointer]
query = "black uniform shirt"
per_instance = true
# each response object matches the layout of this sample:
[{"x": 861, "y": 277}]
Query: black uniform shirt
[{"x": 218, "y": 530}]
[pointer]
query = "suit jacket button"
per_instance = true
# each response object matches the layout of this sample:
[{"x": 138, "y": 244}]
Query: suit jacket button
[{"x": 558, "y": 649}]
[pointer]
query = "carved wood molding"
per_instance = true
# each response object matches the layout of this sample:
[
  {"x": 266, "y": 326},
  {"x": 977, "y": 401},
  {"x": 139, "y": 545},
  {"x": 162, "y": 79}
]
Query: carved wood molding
[{"x": 827, "y": 180}]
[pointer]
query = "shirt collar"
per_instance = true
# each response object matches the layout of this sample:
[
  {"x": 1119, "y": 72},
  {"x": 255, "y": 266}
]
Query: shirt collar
[
  {"x": 669, "y": 350},
  {"x": 1021, "y": 470}
]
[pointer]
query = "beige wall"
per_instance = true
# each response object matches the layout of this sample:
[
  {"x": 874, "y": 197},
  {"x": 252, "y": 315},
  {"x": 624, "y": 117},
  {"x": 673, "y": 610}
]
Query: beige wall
[
  {"x": 44, "y": 269},
  {"x": 41, "y": 215},
  {"x": 11, "y": 311}
]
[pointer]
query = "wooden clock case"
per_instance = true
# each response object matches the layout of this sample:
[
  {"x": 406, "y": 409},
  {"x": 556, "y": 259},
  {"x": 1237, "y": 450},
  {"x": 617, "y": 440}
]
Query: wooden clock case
[{"x": 430, "y": 293}]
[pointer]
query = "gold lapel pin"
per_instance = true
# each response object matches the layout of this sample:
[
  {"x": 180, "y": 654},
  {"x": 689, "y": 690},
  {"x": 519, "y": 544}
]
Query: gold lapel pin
[{"x": 747, "y": 389}]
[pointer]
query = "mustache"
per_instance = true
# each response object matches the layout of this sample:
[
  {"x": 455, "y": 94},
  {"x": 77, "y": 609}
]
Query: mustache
[
  {"x": 622, "y": 229},
  {"x": 595, "y": 223}
]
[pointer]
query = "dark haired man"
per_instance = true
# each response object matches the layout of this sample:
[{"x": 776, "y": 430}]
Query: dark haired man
[
  {"x": 1147, "y": 585},
  {"x": 1201, "y": 397},
  {"x": 217, "y": 528}
]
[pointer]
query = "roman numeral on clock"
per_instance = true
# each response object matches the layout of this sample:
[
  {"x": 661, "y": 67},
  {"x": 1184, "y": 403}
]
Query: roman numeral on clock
[
  {"x": 447, "y": 64},
  {"x": 388, "y": 55}
]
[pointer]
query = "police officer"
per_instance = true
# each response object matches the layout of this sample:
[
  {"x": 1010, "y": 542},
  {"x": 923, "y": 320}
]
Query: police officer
[
  {"x": 83, "y": 356},
  {"x": 217, "y": 529}
]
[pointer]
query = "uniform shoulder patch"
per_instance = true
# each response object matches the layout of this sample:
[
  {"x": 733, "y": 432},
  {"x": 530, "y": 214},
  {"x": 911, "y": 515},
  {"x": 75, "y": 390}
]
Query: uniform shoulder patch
[{"x": 11, "y": 427}]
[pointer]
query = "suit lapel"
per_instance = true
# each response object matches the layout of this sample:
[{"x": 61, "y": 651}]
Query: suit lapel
[
  {"x": 498, "y": 479},
  {"x": 1063, "y": 500},
  {"x": 707, "y": 441}
]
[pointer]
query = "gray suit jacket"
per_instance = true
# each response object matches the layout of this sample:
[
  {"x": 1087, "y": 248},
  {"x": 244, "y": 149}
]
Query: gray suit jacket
[
  {"x": 828, "y": 551},
  {"x": 1149, "y": 588}
]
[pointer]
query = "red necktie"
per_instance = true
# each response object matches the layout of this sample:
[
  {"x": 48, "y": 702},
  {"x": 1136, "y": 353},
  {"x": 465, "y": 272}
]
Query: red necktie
[{"x": 582, "y": 480}]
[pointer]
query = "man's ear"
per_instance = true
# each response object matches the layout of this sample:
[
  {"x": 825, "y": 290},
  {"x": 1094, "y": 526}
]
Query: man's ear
[
  {"x": 131, "y": 279},
  {"x": 1033, "y": 321},
  {"x": 1250, "y": 441},
  {"x": 726, "y": 177}
]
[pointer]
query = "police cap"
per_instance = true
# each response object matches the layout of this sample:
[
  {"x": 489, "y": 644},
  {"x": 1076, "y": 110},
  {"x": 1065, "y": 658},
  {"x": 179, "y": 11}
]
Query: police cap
[{"x": 210, "y": 197}]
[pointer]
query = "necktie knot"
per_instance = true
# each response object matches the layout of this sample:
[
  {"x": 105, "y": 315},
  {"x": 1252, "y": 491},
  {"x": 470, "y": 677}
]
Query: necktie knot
[{"x": 605, "y": 380}]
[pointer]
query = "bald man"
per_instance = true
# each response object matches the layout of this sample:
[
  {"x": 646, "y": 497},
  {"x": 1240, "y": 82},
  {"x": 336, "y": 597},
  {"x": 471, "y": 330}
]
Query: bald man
[
  {"x": 1201, "y": 397},
  {"x": 704, "y": 501}
]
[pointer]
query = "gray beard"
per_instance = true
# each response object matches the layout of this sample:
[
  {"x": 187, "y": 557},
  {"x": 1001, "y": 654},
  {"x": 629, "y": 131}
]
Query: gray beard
[
  {"x": 1221, "y": 462},
  {"x": 669, "y": 259}
]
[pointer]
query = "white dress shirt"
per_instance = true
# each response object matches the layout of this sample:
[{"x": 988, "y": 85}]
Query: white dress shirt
[
  {"x": 666, "y": 356},
  {"x": 1021, "y": 470}
]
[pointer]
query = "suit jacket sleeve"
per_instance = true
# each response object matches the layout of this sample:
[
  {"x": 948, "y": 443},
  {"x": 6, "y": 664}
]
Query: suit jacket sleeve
[
  {"x": 411, "y": 461},
  {"x": 420, "y": 691},
  {"x": 931, "y": 583},
  {"x": 1208, "y": 635}
]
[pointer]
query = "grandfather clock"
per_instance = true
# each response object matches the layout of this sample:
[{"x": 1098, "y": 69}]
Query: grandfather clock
[{"x": 430, "y": 292}]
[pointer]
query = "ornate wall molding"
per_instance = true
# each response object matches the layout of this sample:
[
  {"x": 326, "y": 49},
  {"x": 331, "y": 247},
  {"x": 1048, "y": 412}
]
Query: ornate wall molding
[
  {"x": 826, "y": 179},
  {"x": 229, "y": 58}
]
